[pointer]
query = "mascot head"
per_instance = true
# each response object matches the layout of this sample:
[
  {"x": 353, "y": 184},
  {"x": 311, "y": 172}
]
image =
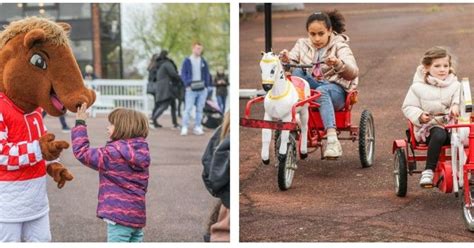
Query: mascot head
[{"x": 38, "y": 68}]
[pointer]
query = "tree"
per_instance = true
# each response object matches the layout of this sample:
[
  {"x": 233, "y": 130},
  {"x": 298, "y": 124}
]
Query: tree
[{"x": 174, "y": 27}]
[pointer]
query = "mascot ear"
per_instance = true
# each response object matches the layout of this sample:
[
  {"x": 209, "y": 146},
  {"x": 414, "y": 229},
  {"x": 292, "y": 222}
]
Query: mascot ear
[
  {"x": 65, "y": 26},
  {"x": 33, "y": 37}
]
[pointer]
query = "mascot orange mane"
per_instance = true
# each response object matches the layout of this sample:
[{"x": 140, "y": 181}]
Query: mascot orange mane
[{"x": 37, "y": 72}]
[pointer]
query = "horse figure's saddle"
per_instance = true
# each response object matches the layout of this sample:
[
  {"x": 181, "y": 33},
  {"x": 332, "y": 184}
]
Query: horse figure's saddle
[{"x": 299, "y": 84}]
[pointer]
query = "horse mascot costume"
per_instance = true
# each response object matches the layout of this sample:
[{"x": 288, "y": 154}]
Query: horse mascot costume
[{"x": 37, "y": 72}]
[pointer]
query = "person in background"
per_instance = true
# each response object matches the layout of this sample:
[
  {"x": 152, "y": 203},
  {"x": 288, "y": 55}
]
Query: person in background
[
  {"x": 89, "y": 73},
  {"x": 221, "y": 81},
  {"x": 167, "y": 79},
  {"x": 196, "y": 79}
]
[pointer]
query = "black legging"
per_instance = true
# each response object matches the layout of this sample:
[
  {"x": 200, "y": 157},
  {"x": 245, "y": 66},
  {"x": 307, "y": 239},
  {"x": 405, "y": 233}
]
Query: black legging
[
  {"x": 161, "y": 106},
  {"x": 438, "y": 138}
]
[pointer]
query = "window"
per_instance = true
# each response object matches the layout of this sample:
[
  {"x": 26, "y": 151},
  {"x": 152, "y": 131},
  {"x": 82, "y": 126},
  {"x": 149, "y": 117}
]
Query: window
[
  {"x": 52, "y": 13},
  {"x": 11, "y": 11},
  {"x": 71, "y": 11},
  {"x": 82, "y": 49}
]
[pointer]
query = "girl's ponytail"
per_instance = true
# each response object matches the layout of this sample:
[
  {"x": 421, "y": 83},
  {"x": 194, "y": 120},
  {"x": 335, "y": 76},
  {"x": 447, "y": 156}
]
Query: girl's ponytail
[{"x": 337, "y": 21}]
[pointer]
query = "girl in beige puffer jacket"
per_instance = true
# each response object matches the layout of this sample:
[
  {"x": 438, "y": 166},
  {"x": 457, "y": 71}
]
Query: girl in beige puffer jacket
[
  {"x": 334, "y": 73},
  {"x": 431, "y": 102}
]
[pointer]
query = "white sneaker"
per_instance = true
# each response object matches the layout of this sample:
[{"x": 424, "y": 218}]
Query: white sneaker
[
  {"x": 426, "y": 180},
  {"x": 198, "y": 131},
  {"x": 333, "y": 150},
  {"x": 184, "y": 131}
]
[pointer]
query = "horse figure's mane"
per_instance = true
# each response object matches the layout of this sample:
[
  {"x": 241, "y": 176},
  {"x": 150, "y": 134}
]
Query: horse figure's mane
[
  {"x": 270, "y": 55},
  {"x": 55, "y": 33}
]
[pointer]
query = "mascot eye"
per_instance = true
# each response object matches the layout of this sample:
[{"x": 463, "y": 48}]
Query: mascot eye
[{"x": 38, "y": 61}]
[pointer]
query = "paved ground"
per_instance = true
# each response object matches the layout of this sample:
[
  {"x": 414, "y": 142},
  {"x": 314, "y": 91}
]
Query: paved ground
[
  {"x": 340, "y": 201},
  {"x": 178, "y": 205}
]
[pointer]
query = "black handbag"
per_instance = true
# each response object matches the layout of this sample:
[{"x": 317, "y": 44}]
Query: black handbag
[{"x": 198, "y": 85}]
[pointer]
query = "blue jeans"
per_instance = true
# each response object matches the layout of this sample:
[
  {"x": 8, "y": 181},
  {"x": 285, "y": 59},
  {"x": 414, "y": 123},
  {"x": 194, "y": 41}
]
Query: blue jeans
[
  {"x": 333, "y": 97},
  {"x": 221, "y": 102},
  {"x": 119, "y": 233},
  {"x": 191, "y": 99}
]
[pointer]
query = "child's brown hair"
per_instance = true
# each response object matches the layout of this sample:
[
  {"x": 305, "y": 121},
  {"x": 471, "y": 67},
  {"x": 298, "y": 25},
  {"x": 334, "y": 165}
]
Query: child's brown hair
[
  {"x": 128, "y": 123},
  {"x": 437, "y": 53}
]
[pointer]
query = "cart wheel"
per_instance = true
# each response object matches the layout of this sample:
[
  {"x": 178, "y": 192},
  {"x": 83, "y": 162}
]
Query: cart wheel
[
  {"x": 468, "y": 211},
  {"x": 287, "y": 167},
  {"x": 366, "y": 139},
  {"x": 400, "y": 172}
]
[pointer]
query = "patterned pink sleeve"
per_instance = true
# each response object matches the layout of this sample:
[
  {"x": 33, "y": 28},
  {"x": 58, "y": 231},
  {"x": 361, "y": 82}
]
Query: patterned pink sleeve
[
  {"x": 14, "y": 155},
  {"x": 91, "y": 157}
]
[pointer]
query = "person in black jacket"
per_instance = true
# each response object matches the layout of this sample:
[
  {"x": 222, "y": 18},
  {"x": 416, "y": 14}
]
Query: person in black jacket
[
  {"x": 216, "y": 178},
  {"x": 167, "y": 79},
  {"x": 221, "y": 81}
]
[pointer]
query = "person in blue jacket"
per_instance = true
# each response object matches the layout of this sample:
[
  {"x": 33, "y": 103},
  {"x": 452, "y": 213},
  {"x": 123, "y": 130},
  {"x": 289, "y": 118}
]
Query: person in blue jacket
[{"x": 196, "y": 79}]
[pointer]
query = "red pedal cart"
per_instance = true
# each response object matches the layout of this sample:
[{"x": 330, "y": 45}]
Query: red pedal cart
[
  {"x": 364, "y": 133},
  {"x": 452, "y": 174}
]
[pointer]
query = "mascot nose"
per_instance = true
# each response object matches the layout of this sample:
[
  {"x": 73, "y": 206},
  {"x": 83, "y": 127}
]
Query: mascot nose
[
  {"x": 267, "y": 87},
  {"x": 92, "y": 97},
  {"x": 88, "y": 98}
]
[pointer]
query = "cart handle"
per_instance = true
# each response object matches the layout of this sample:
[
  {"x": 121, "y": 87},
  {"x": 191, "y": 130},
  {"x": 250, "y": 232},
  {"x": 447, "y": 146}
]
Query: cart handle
[
  {"x": 249, "y": 105},
  {"x": 288, "y": 65},
  {"x": 314, "y": 96}
]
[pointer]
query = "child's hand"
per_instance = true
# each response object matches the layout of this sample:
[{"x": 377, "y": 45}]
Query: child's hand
[
  {"x": 424, "y": 118},
  {"x": 284, "y": 56},
  {"x": 454, "y": 111},
  {"x": 81, "y": 112},
  {"x": 332, "y": 61}
]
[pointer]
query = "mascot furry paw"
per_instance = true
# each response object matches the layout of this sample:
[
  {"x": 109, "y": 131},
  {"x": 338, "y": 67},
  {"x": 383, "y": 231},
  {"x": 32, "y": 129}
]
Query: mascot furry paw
[{"x": 37, "y": 72}]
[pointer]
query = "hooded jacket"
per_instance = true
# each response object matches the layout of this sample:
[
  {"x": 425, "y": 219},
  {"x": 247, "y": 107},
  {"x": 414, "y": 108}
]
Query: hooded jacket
[
  {"x": 424, "y": 97},
  {"x": 123, "y": 176},
  {"x": 346, "y": 74}
]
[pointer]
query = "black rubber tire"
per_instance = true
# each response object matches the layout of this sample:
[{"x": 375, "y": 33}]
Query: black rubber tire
[
  {"x": 468, "y": 214},
  {"x": 400, "y": 173},
  {"x": 284, "y": 183},
  {"x": 366, "y": 150}
]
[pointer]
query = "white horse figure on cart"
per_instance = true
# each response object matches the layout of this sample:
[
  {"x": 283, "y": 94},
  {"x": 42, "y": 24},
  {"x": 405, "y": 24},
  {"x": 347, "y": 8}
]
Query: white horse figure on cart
[{"x": 282, "y": 95}]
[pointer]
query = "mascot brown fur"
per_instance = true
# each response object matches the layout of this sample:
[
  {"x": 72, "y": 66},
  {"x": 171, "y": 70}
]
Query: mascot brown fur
[{"x": 38, "y": 72}]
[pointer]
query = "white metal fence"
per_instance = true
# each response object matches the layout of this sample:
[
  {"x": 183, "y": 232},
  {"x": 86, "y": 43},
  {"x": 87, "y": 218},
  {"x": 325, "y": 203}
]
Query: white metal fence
[{"x": 112, "y": 93}]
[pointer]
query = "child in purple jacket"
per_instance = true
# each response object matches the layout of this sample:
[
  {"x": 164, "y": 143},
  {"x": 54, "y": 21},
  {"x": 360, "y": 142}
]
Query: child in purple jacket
[{"x": 123, "y": 171}]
